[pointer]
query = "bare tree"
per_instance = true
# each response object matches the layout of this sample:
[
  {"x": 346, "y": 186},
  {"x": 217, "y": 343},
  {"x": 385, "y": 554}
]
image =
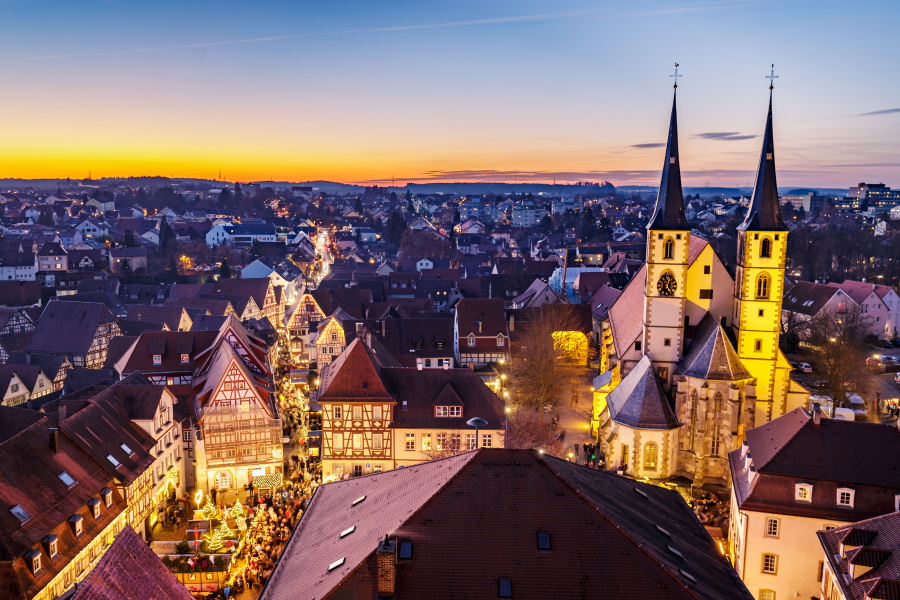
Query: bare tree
[
  {"x": 841, "y": 353},
  {"x": 549, "y": 357},
  {"x": 527, "y": 430}
]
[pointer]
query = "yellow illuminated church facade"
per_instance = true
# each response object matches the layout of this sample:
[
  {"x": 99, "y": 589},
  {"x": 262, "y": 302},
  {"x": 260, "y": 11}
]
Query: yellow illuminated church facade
[{"x": 689, "y": 354}]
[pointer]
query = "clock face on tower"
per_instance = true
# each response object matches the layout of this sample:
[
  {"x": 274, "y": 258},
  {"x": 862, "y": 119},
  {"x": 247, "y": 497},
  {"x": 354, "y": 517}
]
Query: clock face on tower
[{"x": 666, "y": 285}]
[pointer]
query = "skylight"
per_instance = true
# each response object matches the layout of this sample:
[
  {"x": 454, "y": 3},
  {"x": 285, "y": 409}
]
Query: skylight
[
  {"x": 113, "y": 460},
  {"x": 641, "y": 492},
  {"x": 66, "y": 479},
  {"x": 336, "y": 564},
  {"x": 405, "y": 552},
  {"x": 675, "y": 551},
  {"x": 665, "y": 532},
  {"x": 504, "y": 588},
  {"x": 20, "y": 513},
  {"x": 358, "y": 500},
  {"x": 348, "y": 531},
  {"x": 688, "y": 575},
  {"x": 127, "y": 450},
  {"x": 543, "y": 540}
]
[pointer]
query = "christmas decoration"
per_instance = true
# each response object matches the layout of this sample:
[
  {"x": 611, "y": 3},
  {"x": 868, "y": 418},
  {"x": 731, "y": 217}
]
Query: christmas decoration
[
  {"x": 215, "y": 539},
  {"x": 237, "y": 511},
  {"x": 209, "y": 510}
]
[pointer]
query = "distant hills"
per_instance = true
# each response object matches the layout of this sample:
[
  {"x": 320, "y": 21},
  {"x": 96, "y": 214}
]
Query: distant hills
[{"x": 461, "y": 188}]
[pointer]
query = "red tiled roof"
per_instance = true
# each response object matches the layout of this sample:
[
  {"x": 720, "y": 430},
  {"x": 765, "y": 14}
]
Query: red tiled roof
[
  {"x": 879, "y": 549},
  {"x": 170, "y": 345},
  {"x": 474, "y": 518},
  {"x": 490, "y": 312},
  {"x": 130, "y": 571},
  {"x": 356, "y": 373}
]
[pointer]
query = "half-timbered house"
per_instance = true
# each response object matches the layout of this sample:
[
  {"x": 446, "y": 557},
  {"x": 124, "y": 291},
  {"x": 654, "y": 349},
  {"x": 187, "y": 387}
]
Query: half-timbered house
[{"x": 79, "y": 330}]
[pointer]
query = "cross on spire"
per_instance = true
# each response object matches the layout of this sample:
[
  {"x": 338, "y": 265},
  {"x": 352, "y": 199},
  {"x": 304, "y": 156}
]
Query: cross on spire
[
  {"x": 772, "y": 77},
  {"x": 676, "y": 76}
]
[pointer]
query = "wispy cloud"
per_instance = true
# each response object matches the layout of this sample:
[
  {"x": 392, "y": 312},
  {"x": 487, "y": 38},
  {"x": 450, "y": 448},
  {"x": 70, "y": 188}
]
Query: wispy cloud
[
  {"x": 493, "y": 21},
  {"x": 643, "y": 146},
  {"x": 725, "y": 136},
  {"x": 886, "y": 111}
]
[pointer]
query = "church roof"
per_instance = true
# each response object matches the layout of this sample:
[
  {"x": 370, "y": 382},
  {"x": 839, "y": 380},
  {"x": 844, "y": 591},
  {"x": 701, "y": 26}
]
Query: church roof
[
  {"x": 639, "y": 400},
  {"x": 712, "y": 356},
  {"x": 669, "y": 213},
  {"x": 764, "y": 213}
]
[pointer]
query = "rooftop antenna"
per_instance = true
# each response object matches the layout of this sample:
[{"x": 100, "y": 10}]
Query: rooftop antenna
[
  {"x": 676, "y": 76},
  {"x": 772, "y": 77}
]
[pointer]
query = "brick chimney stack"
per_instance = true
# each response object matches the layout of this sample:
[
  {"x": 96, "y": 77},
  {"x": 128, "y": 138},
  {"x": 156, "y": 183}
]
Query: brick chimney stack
[
  {"x": 386, "y": 555},
  {"x": 54, "y": 440},
  {"x": 817, "y": 414}
]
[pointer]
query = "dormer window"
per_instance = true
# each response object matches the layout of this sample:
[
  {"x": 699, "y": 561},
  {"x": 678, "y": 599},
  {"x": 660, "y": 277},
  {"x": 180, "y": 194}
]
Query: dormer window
[
  {"x": 471, "y": 341},
  {"x": 77, "y": 522},
  {"x": 845, "y": 497},
  {"x": 157, "y": 359},
  {"x": 33, "y": 557},
  {"x": 51, "y": 545},
  {"x": 107, "y": 496},
  {"x": 185, "y": 358},
  {"x": 501, "y": 341},
  {"x": 94, "y": 505},
  {"x": 803, "y": 492}
]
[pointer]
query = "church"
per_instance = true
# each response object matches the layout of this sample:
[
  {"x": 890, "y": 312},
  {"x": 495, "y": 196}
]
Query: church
[{"x": 689, "y": 354}]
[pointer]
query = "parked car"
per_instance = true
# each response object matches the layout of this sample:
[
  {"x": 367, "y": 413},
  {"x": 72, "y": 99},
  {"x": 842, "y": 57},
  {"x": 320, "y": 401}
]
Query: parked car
[
  {"x": 887, "y": 344},
  {"x": 805, "y": 368}
]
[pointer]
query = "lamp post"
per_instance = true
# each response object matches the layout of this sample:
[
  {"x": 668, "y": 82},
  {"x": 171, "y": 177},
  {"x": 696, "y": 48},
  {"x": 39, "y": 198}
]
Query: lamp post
[
  {"x": 507, "y": 410},
  {"x": 476, "y": 422}
]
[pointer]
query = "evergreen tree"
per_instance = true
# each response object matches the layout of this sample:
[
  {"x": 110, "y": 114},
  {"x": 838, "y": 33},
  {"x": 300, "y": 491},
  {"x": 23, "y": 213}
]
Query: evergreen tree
[
  {"x": 394, "y": 228},
  {"x": 225, "y": 269},
  {"x": 128, "y": 241},
  {"x": 167, "y": 242}
]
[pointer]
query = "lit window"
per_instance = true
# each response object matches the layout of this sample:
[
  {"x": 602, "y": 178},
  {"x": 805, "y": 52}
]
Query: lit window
[
  {"x": 377, "y": 442},
  {"x": 357, "y": 441},
  {"x": 471, "y": 341},
  {"x": 770, "y": 564},
  {"x": 357, "y": 412},
  {"x": 845, "y": 497},
  {"x": 35, "y": 557},
  {"x": 157, "y": 359},
  {"x": 410, "y": 442},
  {"x": 772, "y": 526},
  {"x": 376, "y": 413},
  {"x": 426, "y": 442},
  {"x": 441, "y": 411},
  {"x": 336, "y": 411},
  {"x": 500, "y": 341},
  {"x": 20, "y": 513},
  {"x": 185, "y": 358},
  {"x": 766, "y": 595},
  {"x": 650, "y": 456},
  {"x": 127, "y": 450},
  {"x": 803, "y": 492},
  {"x": 471, "y": 441},
  {"x": 107, "y": 496}
]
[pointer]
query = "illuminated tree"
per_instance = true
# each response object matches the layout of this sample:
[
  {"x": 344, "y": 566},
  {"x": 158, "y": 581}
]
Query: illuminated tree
[{"x": 209, "y": 510}]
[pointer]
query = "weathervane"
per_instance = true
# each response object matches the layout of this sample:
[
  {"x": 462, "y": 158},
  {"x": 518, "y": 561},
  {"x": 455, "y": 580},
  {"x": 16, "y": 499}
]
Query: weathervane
[
  {"x": 772, "y": 77},
  {"x": 676, "y": 76}
]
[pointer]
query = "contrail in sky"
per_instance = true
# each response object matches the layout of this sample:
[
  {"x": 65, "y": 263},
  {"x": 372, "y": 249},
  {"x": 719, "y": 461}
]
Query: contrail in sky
[{"x": 494, "y": 21}]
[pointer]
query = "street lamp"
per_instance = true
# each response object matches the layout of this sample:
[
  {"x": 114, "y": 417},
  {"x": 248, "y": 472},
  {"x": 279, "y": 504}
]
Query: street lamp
[{"x": 476, "y": 422}]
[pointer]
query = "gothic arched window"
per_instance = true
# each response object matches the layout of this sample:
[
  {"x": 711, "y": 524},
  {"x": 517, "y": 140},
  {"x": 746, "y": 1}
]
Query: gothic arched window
[
  {"x": 668, "y": 248},
  {"x": 694, "y": 417},
  {"x": 765, "y": 249},
  {"x": 762, "y": 287},
  {"x": 650, "y": 456}
]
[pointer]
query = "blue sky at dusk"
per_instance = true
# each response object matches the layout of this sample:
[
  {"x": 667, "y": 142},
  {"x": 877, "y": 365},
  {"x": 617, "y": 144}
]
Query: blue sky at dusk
[{"x": 447, "y": 91}]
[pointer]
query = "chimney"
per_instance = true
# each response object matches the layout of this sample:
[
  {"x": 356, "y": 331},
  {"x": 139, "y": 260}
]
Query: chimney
[
  {"x": 447, "y": 365},
  {"x": 419, "y": 364},
  {"x": 62, "y": 412},
  {"x": 479, "y": 325},
  {"x": 817, "y": 414},
  {"x": 512, "y": 323},
  {"x": 386, "y": 554},
  {"x": 54, "y": 440},
  {"x": 383, "y": 328}
]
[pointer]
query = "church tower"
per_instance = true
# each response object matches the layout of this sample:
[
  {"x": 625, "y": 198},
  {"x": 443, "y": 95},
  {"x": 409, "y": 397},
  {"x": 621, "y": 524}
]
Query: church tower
[
  {"x": 668, "y": 244},
  {"x": 759, "y": 286}
]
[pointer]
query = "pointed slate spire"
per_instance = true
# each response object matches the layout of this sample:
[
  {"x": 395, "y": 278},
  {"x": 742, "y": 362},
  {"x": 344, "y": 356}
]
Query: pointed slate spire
[
  {"x": 669, "y": 213},
  {"x": 764, "y": 213}
]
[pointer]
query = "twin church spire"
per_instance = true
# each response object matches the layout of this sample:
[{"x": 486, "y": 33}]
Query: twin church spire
[{"x": 764, "y": 213}]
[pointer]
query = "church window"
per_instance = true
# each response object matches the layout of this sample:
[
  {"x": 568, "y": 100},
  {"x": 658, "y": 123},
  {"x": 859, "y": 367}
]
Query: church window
[
  {"x": 694, "y": 417},
  {"x": 650, "y": 456},
  {"x": 714, "y": 442},
  {"x": 667, "y": 342},
  {"x": 668, "y": 248},
  {"x": 717, "y": 405},
  {"x": 765, "y": 249},
  {"x": 757, "y": 346},
  {"x": 762, "y": 287}
]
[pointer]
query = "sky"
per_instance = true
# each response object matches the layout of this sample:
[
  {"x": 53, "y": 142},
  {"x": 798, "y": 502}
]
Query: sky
[{"x": 417, "y": 91}]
